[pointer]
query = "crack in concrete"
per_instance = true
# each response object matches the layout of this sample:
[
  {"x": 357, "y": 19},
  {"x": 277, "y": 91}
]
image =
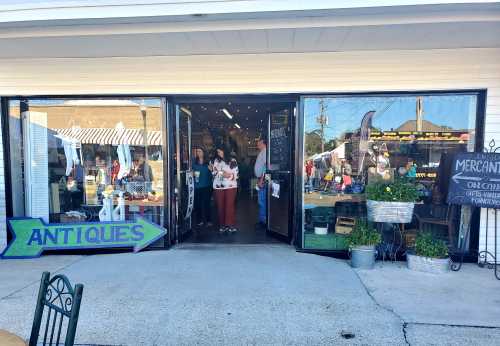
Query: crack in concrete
[
  {"x": 404, "y": 324},
  {"x": 452, "y": 325},
  {"x": 405, "y": 333},
  {"x": 38, "y": 280}
]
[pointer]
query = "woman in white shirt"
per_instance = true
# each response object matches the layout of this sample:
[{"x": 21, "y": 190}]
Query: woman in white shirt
[{"x": 225, "y": 184}]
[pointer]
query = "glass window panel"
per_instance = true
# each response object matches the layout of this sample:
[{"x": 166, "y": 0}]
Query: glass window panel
[
  {"x": 81, "y": 151},
  {"x": 350, "y": 141}
]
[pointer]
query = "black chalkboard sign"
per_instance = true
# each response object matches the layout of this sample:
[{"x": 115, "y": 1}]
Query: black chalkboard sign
[
  {"x": 475, "y": 180},
  {"x": 279, "y": 143}
]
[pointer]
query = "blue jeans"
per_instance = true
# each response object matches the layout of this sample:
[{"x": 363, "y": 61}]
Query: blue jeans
[{"x": 262, "y": 201}]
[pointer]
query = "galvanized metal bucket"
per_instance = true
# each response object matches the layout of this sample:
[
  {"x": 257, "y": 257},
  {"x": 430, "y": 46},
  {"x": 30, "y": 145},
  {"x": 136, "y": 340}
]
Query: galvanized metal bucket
[
  {"x": 428, "y": 265},
  {"x": 363, "y": 257},
  {"x": 391, "y": 212}
]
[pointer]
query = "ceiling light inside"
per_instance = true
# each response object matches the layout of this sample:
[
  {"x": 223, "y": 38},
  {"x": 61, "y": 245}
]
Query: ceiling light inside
[
  {"x": 238, "y": 126},
  {"x": 226, "y": 112}
]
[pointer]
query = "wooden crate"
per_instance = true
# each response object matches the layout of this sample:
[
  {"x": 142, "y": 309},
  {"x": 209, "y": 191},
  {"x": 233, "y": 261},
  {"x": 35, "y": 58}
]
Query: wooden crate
[
  {"x": 409, "y": 237},
  {"x": 344, "y": 225},
  {"x": 63, "y": 218}
]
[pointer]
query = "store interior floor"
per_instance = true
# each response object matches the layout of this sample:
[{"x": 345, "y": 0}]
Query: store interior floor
[
  {"x": 235, "y": 126},
  {"x": 246, "y": 217}
]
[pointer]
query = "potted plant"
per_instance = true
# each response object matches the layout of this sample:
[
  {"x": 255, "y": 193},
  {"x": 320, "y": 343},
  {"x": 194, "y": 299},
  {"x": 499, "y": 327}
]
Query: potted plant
[
  {"x": 362, "y": 241},
  {"x": 431, "y": 255},
  {"x": 391, "y": 202}
]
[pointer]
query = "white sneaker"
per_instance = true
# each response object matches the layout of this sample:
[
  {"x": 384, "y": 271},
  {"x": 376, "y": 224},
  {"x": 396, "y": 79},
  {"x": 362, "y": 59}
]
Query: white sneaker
[
  {"x": 222, "y": 229},
  {"x": 232, "y": 229}
]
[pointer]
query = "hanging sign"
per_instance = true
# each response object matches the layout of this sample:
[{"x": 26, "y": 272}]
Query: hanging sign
[
  {"x": 457, "y": 136},
  {"x": 190, "y": 197},
  {"x": 475, "y": 180},
  {"x": 33, "y": 236}
]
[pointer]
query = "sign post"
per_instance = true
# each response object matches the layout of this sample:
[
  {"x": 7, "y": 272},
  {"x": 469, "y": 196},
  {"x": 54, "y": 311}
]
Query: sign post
[{"x": 33, "y": 236}]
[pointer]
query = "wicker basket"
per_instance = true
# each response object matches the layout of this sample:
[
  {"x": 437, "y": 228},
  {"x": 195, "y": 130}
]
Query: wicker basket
[
  {"x": 138, "y": 189},
  {"x": 391, "y": 212}
]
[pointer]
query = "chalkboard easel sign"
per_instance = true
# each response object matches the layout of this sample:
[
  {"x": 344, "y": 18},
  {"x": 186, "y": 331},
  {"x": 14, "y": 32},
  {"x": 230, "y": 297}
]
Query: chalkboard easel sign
[{"x": 475, "y": 180}]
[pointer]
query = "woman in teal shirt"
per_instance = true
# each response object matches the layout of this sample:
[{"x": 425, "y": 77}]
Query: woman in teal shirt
[{"x": 202, "y": 188}]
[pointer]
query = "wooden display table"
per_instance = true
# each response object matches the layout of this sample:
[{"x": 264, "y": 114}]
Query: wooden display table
[
  {"x": 323, "y": 200},
  {"x": 138, "y": 205},
  {"x": 9, "y": 339},
  {"x": 142, "y": 203}
]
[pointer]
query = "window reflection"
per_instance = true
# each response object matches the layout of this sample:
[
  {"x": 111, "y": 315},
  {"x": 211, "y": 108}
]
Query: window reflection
[
  {"x": 91, "y": 159},
  {"x": 350, "y": 142}
]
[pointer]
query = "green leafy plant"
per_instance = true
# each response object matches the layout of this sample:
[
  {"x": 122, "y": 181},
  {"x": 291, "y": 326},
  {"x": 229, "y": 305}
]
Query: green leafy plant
[
  {"x": 400, "y": 190},
  {"x": 427, "y": 246},
  {"x": 363, "y": 235}
]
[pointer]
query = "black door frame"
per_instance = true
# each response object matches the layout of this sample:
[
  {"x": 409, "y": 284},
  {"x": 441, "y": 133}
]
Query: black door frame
[
  {"x": 292, "y": 99},
  {"x": 291, "y": 236}
]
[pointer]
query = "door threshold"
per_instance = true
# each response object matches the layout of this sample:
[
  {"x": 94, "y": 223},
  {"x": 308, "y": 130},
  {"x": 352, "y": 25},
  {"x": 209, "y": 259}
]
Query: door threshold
[{"x": 208, "y": 246}]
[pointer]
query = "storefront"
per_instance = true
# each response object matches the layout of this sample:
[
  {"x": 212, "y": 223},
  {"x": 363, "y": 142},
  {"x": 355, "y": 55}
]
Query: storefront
[
  {"x": 136, "y": 151},
  {"x": 119, "y": 124}
]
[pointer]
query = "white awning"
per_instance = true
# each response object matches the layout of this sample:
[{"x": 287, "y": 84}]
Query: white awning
[
  {"x": 103, "y": 136},
  {"x": 340, "y": 151}
]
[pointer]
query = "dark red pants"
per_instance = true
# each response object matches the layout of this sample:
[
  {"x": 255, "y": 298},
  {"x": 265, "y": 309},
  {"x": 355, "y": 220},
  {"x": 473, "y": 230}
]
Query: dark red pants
[{"x": 225, "y": 200}]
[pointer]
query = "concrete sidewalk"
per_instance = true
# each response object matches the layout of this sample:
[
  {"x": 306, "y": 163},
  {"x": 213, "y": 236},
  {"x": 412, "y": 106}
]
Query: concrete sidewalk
[
  {"x": 457, "y": 308},
  {"x": 224, "y": 295},
  {"x": 469, "y": 297}
]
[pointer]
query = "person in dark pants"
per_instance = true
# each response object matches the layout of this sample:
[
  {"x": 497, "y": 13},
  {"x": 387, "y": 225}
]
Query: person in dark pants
[
  {"x": 260, "y": 170},
  {"x": 245, "y": 176},
  {"x": 202, "y": 188}
]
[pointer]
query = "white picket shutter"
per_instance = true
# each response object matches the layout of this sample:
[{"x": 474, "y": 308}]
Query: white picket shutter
[{"x": 36, "y": 165}]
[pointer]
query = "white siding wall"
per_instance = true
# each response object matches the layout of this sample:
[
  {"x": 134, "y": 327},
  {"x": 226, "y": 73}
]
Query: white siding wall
[{"x": 390, "y": 70}]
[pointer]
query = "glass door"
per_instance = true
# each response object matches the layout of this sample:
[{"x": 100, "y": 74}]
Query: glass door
[
  {"x": 184, "y": 189},
  {"x": 279, "y": 172}
]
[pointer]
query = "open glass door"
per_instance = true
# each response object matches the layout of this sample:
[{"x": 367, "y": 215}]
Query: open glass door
[
  {"x": 184, "y": 176},
  {"x": 279, "y": 172}
]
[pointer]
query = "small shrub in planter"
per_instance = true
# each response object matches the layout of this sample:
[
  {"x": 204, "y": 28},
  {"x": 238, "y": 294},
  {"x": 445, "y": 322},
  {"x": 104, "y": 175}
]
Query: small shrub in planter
[
  {"x": 431, "y": 255},
  {"x": 391, "y": 202},
  {"x": 362, "y": 241}
]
